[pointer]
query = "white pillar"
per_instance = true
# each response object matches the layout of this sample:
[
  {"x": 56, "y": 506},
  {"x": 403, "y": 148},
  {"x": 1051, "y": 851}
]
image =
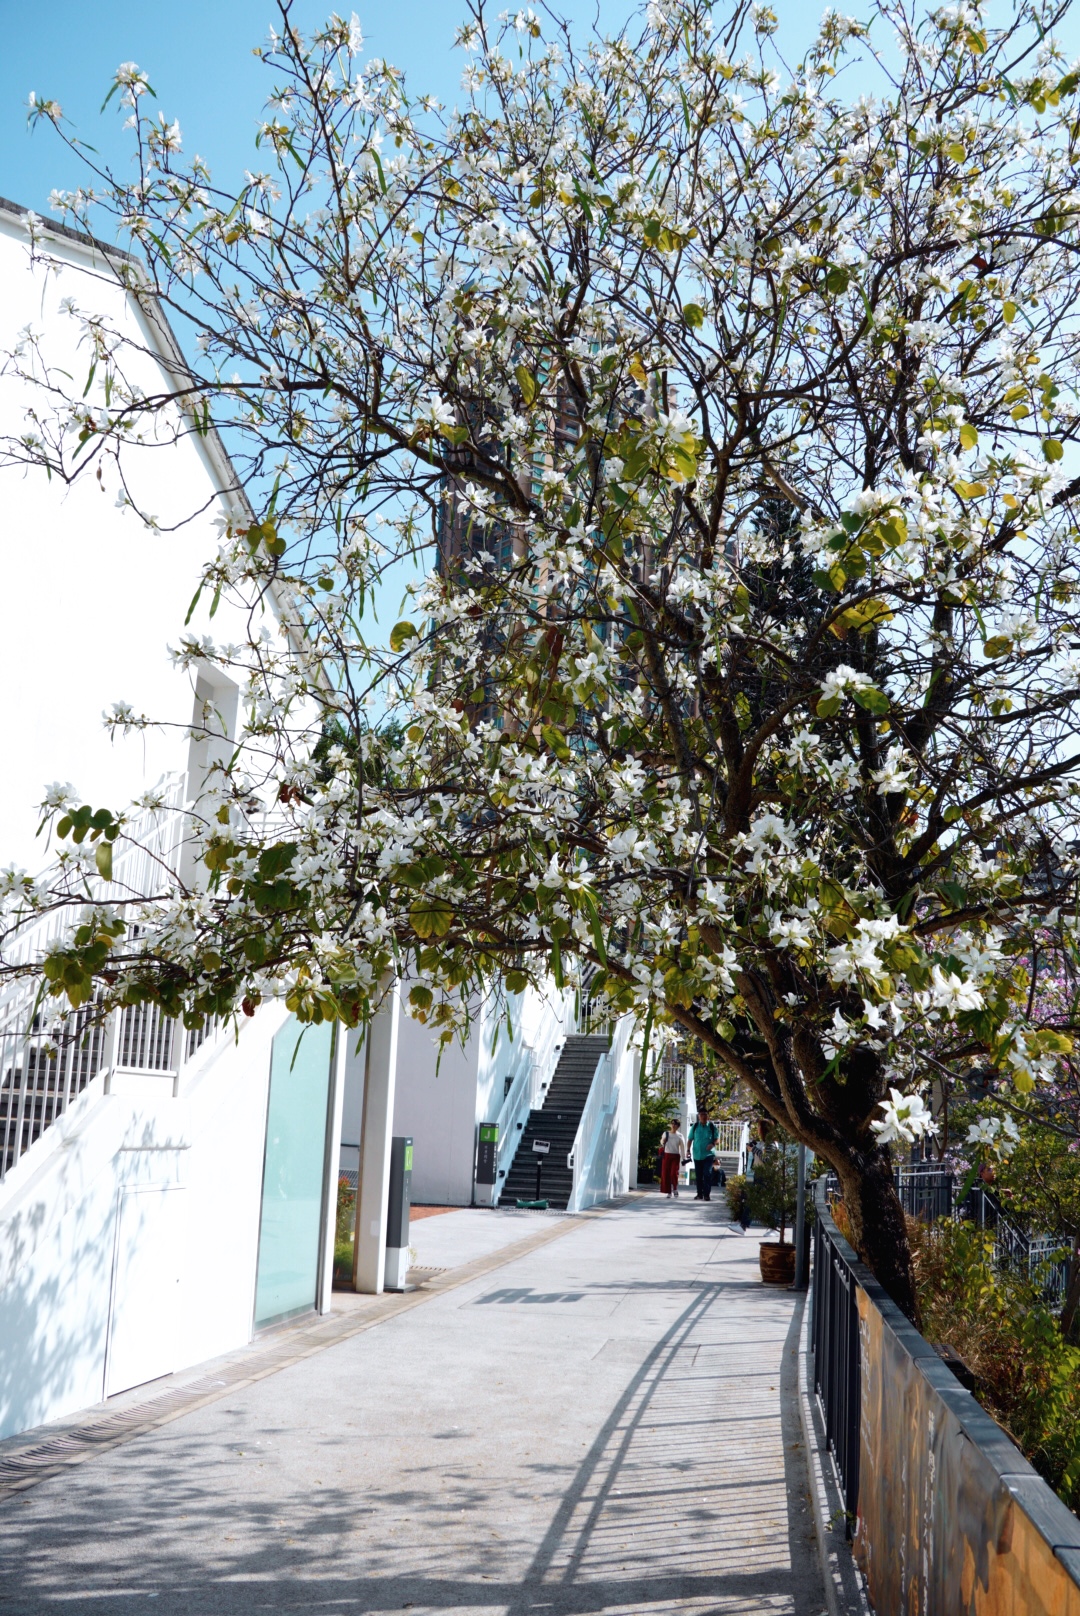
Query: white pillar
[
  {"x": 635, "y": 1119},
  {"x": 373, "y": 1191},
  {"x": 324, "y": 1290}
]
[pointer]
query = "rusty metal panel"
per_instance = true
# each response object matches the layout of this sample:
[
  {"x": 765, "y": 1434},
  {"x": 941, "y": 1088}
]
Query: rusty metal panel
[{"x": 952, "y": 1520}]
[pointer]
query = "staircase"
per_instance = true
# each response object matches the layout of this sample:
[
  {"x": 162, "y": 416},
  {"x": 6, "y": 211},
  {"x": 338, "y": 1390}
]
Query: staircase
[{"x": 557, "y": 1122}]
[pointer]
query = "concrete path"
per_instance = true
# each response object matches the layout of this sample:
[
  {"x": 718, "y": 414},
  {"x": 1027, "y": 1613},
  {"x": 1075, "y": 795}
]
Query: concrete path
[{"x": 607, "y": 1424}]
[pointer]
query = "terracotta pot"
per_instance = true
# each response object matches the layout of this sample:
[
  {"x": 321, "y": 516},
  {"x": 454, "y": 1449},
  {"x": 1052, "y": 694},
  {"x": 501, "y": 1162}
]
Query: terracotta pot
[{"x": 777, "y": 1262}]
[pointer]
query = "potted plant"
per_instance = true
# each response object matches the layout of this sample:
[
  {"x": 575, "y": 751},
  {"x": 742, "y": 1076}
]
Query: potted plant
[{"x": 771, "y": 1199}]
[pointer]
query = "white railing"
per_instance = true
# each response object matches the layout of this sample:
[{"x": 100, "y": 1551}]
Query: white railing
[
  {"x": 44, "y": 1068},
  {"x": 40, "y": 1075},
  {"x": 43, "y": 1072},
  {"x": 530, "y": 1077},
  {"x": 672, "y": 1076},
  {"x": 734, "y": 1140},
  {"x": 598, "y": 1116}
]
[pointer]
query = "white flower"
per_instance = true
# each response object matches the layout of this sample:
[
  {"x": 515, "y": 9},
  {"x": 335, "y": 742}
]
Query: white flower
[
  {"x": 896, "y": 775},
  {"x": 58, "y": 796},
  {"x": 552, "y": 876},
  {"x": 437, "y": 413},
  {"x": 997, "y": 1134},
  {"x": 792, "y": 932},
  {"x": 842, "y": 679},
  {"x": 952, "y": 993},
  {"x": 906, "y": 1117}
]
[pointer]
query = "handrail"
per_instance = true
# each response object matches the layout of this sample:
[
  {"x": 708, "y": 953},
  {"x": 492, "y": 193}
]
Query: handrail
[
  {"x": 525, "y": 1093},
  {"x": 600, "y": 1102}
]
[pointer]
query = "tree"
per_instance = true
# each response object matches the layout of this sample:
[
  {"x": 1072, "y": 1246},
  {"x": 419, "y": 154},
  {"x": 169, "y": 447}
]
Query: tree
[
  {"x": 770, "y": 1196},
  {"x": 801, "y": 784}
]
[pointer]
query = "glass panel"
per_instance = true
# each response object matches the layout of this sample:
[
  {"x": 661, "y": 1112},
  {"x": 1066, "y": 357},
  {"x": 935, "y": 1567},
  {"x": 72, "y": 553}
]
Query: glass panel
[{"x": 293, "y": 1174}]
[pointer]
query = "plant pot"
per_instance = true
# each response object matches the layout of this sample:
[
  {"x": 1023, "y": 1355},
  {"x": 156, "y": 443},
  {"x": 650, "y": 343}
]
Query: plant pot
[{"x": 777, "y": 1261}]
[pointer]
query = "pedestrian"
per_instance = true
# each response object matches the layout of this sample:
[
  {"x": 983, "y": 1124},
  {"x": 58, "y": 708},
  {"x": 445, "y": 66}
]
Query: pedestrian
[
  {"x": 672, "y": 1154},
  {"x": 703, "y": 1137}
]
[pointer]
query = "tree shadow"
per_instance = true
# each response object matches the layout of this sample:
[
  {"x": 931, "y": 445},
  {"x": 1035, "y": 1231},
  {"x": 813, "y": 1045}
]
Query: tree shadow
[{"x": 651, "y": 1515}]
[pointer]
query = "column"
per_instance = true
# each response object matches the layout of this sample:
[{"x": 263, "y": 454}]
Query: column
[
  {"x": 332, "y": 1169},
  {"x": 373, "y": 1190}
]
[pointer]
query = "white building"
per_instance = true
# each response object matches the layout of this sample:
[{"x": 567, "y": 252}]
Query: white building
[{"x": 162, "y": 1194}]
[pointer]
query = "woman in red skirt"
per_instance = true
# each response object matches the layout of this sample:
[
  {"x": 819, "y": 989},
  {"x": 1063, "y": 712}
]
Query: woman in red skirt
[{"x": 672, "y": 1152}]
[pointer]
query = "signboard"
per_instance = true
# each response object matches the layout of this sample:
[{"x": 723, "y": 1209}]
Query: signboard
[
  {"x": 541, "y": 1146},
  {"x": 487, "y": 1153}
]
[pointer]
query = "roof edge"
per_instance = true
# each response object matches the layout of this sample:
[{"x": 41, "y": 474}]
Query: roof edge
[{"x": 66, "y": 231}]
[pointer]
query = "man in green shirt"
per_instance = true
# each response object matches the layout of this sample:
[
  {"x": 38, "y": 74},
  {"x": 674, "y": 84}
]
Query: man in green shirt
[{"x": 703, "y": 1137}]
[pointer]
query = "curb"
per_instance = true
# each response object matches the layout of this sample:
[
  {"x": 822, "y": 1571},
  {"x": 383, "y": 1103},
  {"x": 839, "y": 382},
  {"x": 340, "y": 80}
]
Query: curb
[{"x": 845, "y": 1591}]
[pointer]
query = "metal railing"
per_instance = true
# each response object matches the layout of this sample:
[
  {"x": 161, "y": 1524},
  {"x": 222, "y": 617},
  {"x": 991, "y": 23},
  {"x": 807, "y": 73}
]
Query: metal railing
[
  {"x": 43, "y": 1072},
  {"x": 40, "y": 1075},
  {"x": 528, "y": 1079},
  {"x": 602, "y": 1101},
  {"x": 834, "y": 1335},
  {"x": 929, "y": 1191},
  {"x": 43, "y": 1069}
]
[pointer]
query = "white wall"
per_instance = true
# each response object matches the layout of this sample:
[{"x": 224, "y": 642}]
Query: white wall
[
  {"x": 59, "y": 1225},
  {"x": 438, "y": 1108},
  {"x": 92, "y": 599}
]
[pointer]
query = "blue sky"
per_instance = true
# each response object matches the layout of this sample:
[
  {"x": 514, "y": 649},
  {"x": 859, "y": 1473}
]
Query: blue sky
[{"x": 198, "y": 56}]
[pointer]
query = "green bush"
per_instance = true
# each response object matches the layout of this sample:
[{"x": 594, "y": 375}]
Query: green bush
[
  {"x": 735, "y": 1190},
  {"x": 772, "y": 1191},
  {"x": 1027, "y": 1376},
  {"x": 344, "y": 1228},
  {"x": 654, "y": 1118}
]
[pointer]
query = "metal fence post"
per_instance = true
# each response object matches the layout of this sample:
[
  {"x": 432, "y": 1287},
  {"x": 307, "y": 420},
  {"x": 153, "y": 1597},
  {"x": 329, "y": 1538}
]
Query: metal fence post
[{"x": 802, "y": 1254}]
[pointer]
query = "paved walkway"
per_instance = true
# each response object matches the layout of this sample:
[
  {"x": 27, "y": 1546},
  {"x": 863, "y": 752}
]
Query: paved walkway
[{"x": 606, "y": 1424}]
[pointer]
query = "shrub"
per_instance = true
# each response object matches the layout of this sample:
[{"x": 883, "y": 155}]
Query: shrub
[
  {"x": 735, "y": 1190},
  {"x": 771, "y": 1192},
  {"x": 344, "y": 1229},
  {"x": 1027, "y": 1376},
  {"x": 654, "y": 1118}
]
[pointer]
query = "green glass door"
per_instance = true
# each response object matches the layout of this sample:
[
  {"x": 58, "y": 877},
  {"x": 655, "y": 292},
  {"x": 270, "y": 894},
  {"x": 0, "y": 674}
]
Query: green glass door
[{"x": 294, "y": 1170}]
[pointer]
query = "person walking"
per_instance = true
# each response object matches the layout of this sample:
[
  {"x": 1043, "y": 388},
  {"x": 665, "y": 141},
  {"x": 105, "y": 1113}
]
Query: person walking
[
  {"x": 703, "y": 1137},
  {"x": 672, "y": 1155}
]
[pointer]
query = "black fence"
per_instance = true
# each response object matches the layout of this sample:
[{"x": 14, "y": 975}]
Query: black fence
[
  {"x": 834, "y": 1334},
  {"x": 930, "y": 1192}
]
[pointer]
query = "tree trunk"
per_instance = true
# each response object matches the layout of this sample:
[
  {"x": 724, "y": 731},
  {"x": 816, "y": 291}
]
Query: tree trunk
[{"x": 879, "y": 1228}]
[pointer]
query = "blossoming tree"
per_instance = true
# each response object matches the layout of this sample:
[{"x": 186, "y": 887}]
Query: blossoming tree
[{"x": 732, "y": 403}]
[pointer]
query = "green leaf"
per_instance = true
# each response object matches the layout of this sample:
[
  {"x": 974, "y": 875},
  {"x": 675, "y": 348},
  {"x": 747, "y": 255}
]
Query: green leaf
[
  {"x": 968, "y": 436},
  {"x": 594, "y": 922},
  {"x": 997, "y": 645},
  {"x": 837, "y": 280},
  {"x": 957, "y": 151},
  {"x": 874, "y": 700},
  {"x": 1008, "y": 312},
  {"x": 829, "y": 708},
  {"x": 1052, "y": 449},
  {"x": 556, "y": 740},
  {"x": 401, "y": 634},
  {"x": 864, "y": 616},
  {"x": 694, "y": 315},
  {"x": 103, "y": 860},
  {"x": 527, "y": 382},
  {"x": 431, "y": 917}
]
